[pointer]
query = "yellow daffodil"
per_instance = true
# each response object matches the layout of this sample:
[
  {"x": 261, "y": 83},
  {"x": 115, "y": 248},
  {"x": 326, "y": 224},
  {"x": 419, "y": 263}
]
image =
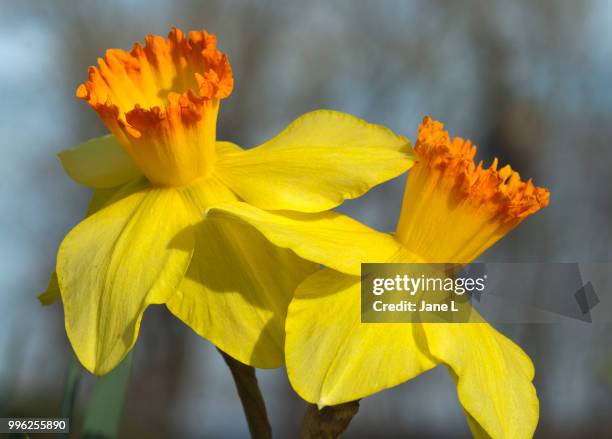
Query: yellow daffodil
[
  {"x": 146, "y": 240},
  {"x": 452, "y": 211}
]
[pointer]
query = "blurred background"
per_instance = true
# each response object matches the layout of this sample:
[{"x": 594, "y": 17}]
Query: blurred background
[{"x": 528, "y": 81}]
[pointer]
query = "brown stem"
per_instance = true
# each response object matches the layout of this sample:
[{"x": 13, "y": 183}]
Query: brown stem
[
  {"x": 250, "y": 396},
  {"x": 329, "y": 422}
]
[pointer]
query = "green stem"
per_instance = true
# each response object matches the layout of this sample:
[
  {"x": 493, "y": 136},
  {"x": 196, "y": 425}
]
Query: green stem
[
  {"x": 252, "y": 401},
  {"x": 329, "y": 422},
  {"x": 103, "y": 416},
  {"x": 71, "y": 387}
]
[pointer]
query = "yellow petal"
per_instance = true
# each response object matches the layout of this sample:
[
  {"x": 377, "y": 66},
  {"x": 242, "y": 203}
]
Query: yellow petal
[
  {"x": 333, "y": 128},
  {"x": 238, "y": 286},
  {"x": 101, "y": 197},
  {"x": 223, "y": 147},
  {"x": 319, "y": 160},
  {"x": 115, "y": 263},
  {"x": 493, "y": 377},
  {"x": 98, "y": 200},
  {"x": 99, "y": 163},
  {"x": 327, "y": 238},
  {"x": 52, "y": 293},
  {"x": 332, "y": 357}
]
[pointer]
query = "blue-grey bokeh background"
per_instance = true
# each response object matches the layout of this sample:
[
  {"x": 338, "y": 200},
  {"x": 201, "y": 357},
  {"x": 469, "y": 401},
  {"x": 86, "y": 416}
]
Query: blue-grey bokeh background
[{"x": 528, "y": 81}]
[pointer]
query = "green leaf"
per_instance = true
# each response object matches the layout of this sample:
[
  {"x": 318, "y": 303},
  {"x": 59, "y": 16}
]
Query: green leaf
[{"x": 103, "y": 416}]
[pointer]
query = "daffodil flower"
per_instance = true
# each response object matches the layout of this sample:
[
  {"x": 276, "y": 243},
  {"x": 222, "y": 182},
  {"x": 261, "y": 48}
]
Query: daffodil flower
[
  {"x": 146, "y": 242},
  {"x": 452, "y": 211}
]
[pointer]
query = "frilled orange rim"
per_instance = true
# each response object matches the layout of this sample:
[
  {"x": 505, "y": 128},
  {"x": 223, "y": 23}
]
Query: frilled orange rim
[
  {"x": 500, "y": 191},
  {"x": 178, "y": 74}
]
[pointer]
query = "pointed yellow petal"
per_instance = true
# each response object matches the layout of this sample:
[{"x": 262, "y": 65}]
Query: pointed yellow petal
[
  {"x": 52, "y": 293},
  {"x": 223, "y": 148},
  {"x": 332, "y": 357},
  {"x": 318, "y": 161},
  {"x": 332, "y": 129},
  {"x": 493, "y": 377},
  {"x": 114, "y": 264},
  {"x": 99, "y": 163},
  {"x": 98, "y": 200},
  {"x": 238, "y": 286},
  {"x": 101, "y": 197},
  {"x": 327, "y": 238}
]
